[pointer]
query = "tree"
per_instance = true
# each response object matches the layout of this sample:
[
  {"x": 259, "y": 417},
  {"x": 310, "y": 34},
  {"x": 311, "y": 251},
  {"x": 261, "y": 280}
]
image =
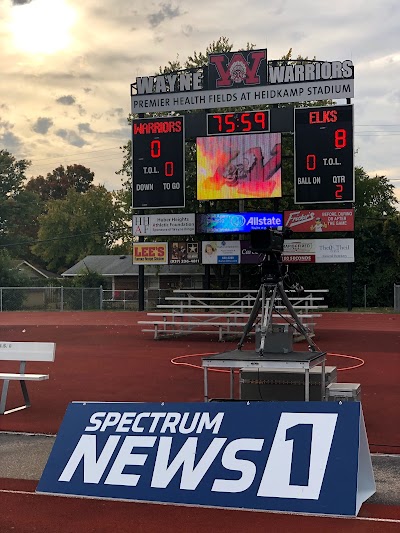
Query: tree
[
  {"x": 375, "y": 196},
  {"x": 80, "y": 225},
  {"x": 11, "y": 277},
  {"x": 377, "y": 245},
  {"x": 24, "y": 210},
  {"x": 57, "y": 183},
  {"x": 12, "y": 176}
]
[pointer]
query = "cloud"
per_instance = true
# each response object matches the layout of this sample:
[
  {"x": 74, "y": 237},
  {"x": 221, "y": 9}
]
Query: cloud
[
  {"x": 20, "y": 2},
  {"x": 10, "y": 141},
  {"x": 187, "y": 30},
  {"x": 6, "y": 125},
  {"x": 85, "y": 127},
  {"x": 42, "y": 125},
  {"x": 71, "y": 137},
  {"x": 166, "y": 11},
  {"x": 66, "y": 100},
  {"x": 117, "y": 111}
]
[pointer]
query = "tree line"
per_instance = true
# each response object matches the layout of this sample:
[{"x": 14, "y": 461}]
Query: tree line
[{"x": 56, "y": 220}]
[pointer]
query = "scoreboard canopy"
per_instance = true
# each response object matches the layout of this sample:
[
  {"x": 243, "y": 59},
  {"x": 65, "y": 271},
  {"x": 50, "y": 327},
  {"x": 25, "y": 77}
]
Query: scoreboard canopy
[{"x": 324, "y": 160}]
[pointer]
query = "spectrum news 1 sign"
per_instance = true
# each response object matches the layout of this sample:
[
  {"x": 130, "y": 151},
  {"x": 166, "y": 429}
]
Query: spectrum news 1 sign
[{"x": 289, "y": 456}]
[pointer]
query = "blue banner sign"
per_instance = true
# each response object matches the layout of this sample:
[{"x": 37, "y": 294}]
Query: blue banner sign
[
  {"x": 237, "y": 222},
  {"x": 290, "y": 456}
]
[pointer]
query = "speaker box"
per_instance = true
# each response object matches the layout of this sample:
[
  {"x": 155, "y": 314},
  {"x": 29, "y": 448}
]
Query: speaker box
[{"x": 283, "y": 385}]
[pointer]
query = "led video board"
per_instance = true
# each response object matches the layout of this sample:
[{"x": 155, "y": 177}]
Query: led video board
[
  {"x": 237, "y": 222},
  {"x": 230, "y": 167}
]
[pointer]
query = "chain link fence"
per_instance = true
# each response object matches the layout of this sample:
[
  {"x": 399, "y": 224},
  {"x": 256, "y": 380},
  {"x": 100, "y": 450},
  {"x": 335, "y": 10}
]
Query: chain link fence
[
  {"x": 397, "y": 298},
  {"x": 76, "y": 299}
]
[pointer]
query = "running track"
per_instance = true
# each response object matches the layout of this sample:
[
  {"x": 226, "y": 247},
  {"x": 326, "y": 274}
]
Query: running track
[{"x": 106, "y": 357}]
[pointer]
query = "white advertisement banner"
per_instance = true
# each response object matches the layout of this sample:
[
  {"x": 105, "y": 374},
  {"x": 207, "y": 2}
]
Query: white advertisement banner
[
  {"x": 243, "y": 96},
  {"x": 220, "y": 252},
  {"x": 181, "y": 224},
  {"x": 318, "y": 250}
]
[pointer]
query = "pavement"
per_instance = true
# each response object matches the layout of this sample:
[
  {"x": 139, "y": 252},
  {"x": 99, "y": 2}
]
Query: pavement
[{"x": 24, "y": 456}]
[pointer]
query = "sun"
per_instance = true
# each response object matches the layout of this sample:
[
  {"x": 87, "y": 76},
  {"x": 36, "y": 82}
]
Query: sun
[{"x": 42, "y": 26}]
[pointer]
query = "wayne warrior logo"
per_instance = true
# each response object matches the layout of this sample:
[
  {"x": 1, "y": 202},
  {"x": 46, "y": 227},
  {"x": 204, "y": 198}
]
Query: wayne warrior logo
[{"x": 237, "y": 68}]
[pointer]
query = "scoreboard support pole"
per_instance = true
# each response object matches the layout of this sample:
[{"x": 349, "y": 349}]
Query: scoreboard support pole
[
  {"x": 349, "y": 267},
  {"x": 141, "y": 302}
]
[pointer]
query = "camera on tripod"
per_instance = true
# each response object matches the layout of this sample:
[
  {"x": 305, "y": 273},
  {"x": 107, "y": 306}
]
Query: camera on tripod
[{"x": 267, "y": 241}]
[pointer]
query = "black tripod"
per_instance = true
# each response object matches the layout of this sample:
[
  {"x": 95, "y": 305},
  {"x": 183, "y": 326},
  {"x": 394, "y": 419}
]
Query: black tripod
[{"x": 272, "y": 287}]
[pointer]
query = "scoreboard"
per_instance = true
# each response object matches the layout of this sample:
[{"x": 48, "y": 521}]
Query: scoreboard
[
  {"x": 324, "y": 160},
  {"x": 158, "y": 162}
]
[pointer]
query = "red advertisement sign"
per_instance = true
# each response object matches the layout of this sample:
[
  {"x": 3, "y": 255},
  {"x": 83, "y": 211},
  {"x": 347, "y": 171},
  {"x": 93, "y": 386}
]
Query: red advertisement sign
[{"x": 319, "y": 220}]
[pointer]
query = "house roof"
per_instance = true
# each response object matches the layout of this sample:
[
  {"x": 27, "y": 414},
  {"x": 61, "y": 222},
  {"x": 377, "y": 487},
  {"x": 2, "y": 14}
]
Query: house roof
[
  {"x": 121, "y": 265},
  {"x": 40, "y": 272}
]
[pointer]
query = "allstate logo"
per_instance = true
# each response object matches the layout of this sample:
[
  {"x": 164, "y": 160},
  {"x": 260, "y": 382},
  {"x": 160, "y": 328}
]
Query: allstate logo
[{"x": 237, "y": 221}]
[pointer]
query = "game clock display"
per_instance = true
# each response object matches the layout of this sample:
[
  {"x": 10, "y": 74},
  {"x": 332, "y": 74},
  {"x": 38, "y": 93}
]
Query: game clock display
[
  {"x": 241, "y": 122},
  {"x": 158, "y": 162},
  {"x": 324, "y": 160}
]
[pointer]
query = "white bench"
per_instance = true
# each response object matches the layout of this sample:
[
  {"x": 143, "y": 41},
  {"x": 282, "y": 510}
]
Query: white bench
[
  {"x": 23, "y": 352},
  {"x": 226, "y": 312},
  {"x": 228, "y": 324}
]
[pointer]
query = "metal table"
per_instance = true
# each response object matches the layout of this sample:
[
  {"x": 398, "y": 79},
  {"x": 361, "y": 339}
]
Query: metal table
[{"x": 278, "y": 361}]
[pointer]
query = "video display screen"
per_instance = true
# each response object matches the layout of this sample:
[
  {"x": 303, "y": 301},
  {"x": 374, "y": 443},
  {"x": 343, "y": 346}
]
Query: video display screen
[{"x": 239, "y": 166}]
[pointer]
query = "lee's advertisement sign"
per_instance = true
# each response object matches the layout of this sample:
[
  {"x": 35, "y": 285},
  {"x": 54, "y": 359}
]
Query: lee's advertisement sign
[
  {"x": 243, "y": 78},
  {"x": 150, "y": 253},
  {"x": 319, "y": 220},
  {"x": 286, "y": 456}
]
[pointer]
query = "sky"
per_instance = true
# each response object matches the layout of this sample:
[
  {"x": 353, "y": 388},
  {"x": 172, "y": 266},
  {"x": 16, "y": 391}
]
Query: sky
[{"x": 67, "y": 66}]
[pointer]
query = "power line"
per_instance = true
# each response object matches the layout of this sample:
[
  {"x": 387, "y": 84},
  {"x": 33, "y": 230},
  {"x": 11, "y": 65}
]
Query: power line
[
  {"x": 82, "y": 152},
  {"x": 65, "y": 237}
]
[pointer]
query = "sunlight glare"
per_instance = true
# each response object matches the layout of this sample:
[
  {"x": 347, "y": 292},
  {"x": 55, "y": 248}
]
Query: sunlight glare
[{"x": 42, "y": 26}]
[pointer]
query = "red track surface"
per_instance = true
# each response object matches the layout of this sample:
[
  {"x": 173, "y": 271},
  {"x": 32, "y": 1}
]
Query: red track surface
[{"x": 106, "y": 357}]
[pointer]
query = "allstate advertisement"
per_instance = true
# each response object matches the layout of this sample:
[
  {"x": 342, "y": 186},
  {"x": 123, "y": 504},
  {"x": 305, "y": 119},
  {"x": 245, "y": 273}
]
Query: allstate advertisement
[
  {"x": 290, "y": 456},
  {"x": 237, "y": 222}
]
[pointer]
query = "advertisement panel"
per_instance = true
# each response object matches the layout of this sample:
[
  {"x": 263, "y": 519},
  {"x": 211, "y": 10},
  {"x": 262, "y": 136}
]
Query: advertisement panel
[
  {"x": 179, "y": 224},
  {"x": 239, "y": 166},
  {"x": 220, "y": 252},
  {"x": 319, "y": 220},
  {"x": 184, "y": 253},
  {"x": 318, "y": 251},
  {"x": 237, "y": 222},
  {"x": 298, "y": 457},
  {"x": 247, "y": 256},
  {"x": 150, "y": 253}
]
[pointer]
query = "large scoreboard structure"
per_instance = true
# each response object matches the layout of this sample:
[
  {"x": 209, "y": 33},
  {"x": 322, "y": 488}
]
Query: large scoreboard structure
[
  {"x": 230, "y": 108},
  {"x": 324, "y": 161}
]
